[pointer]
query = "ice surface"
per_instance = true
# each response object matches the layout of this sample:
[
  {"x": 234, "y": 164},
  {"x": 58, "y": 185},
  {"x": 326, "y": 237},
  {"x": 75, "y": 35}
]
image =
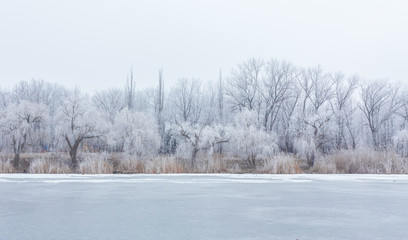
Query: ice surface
[{"x": 204, "y": 206}]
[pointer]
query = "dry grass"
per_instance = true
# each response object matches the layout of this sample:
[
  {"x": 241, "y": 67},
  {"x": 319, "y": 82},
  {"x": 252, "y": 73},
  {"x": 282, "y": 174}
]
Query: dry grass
[
  {"x": 280, "y": 164},
  {"x": 362, "y": 161},
  {"x": 95, "y": 163},
  {"x": 128, "y": 164},
  {"x": 216, "y": 164},
  {"x": 324, "y": 166},
  {"x": 169, "y": 164},
  {"x": 48, "y": 165},
  {"x": 164, "y": 164},
  {"x": 6, "y": 166},
  {"x": 154, "y": 164}
]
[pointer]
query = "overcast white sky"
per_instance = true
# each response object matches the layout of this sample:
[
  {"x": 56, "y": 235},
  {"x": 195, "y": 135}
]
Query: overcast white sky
[{"x": 92, "y": 44}]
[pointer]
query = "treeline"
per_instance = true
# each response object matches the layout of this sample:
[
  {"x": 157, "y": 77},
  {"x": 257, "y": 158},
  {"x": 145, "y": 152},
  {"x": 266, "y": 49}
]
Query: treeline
[{"x": 260, "y": 109}]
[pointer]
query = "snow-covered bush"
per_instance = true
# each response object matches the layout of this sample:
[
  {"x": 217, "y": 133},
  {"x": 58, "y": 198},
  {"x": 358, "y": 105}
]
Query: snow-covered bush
[
  {"x": 135, "y": 133},
  {"x": 195, "y": 138},
  {"x": 314, "y": 137},
  {"x": 305, "y": 149},
  {"x": 248, "y": 141}
]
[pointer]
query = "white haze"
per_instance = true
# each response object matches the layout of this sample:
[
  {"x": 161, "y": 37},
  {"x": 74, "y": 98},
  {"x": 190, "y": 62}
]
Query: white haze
[{"x": 92, "y": 44}]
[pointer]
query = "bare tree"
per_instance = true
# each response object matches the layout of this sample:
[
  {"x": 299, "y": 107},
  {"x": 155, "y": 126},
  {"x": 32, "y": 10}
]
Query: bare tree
[
  {"x": 187, "y": 100},
  {"x": 379, "y": 103},
  {"x": 343, "y": 109},
  {"x": 317, "y": 88},
  {"x": 274, "y": 90},
  {"x": 243, "y": 85},
  {"x": 287, "y": 117},
  {"x": 110, "y": 102},
  {"x": 38, "y": 91}
]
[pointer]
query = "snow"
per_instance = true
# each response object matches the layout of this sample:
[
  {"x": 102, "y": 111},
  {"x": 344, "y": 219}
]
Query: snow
[{"x": 203, "y": 206}]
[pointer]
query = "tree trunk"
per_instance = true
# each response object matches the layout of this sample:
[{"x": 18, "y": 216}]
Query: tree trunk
[
  {"x": 311, "y": 158},
  {"x": 73, "y": 150},
  {"x": 251, "y": 161},
  {"x": 73, "y": 154},
  {"x": 375, "y": 140},
  {"x": 193, "y": 157},
  {"x": 16, "y": 161},
  {"x": 18, "y": 147}
]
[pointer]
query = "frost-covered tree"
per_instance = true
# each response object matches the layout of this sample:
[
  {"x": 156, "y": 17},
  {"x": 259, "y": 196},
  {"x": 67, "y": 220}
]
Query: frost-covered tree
[
  {"x": 287, "y": 120},
  {"x": 77, "y": 121},
  {"x": 5, "y": 98},
  {"x": 379, "y": 103},
  {"x": 159, "y": 106},
  {"x": 261, "y": 105},
  {"x": 130, "y": 90},
  {"x": 41, "y": 92},
  {"x": 344, "y": 108},
  {"x": 400, "y": 141},
  {"x": 311, "y": 140},
  {"x": 187, "y": 100},
  {"x": 317, "y": 88},
  {"x": 317, "y": 91},
  {"x": 248, "y": 141},
  {"x": 145, "y": 101},
  {"x": 196, "y": 138},
  {"x": 135, "y": 132},
  {"x": 243, "y": 84},
  {"x": 109, "y": 102},
  {"x": 209, "y": 104},
  {"x": 275, "y": 88},
  {"x": 38, "y": 91},
  {"x": 220, "y": 100},
  {"x": 20, "y": 123}
]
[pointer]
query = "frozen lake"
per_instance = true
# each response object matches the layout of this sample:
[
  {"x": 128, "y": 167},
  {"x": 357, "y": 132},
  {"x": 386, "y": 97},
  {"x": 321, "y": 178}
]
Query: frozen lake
[{"x": 210, "y": 206}]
